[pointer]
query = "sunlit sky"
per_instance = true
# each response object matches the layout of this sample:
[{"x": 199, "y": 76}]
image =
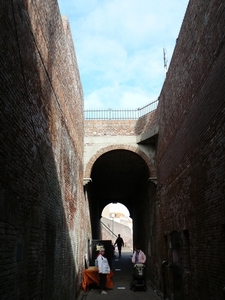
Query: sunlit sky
[
  {"x": 119, "y": 47},
  {"x": 117, "y": 208}
]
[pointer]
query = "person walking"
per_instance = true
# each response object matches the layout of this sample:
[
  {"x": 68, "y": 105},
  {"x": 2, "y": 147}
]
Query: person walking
[
  {"x": 138, "y": 257},
  {"x": 103, "y": 269},
  {"x": 119, "y": 242}
]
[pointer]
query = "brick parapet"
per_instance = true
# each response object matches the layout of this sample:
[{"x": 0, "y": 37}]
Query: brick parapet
[
  {"x": 109, "y": 127},
  {"x": 121, "y": 127},
  {"x": 146, "y": 123}
]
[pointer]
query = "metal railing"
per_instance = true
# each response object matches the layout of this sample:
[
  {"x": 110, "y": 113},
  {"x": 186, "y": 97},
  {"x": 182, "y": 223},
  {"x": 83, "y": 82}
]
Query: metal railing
[
  {"x": 120, "y": 114},
  {"x": 109, "y": 230}
]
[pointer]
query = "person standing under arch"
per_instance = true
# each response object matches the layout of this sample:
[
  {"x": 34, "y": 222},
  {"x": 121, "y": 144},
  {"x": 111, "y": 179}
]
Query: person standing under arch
[{"x": 119, "y": 242}]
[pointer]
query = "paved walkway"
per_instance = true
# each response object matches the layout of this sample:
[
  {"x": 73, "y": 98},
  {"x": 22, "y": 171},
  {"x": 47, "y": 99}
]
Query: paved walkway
[{"x": 122, "y": 269}]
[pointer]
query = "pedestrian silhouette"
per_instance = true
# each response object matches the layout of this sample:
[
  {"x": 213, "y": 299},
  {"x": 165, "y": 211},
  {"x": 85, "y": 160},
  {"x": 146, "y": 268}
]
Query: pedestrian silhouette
[{"x": 119, "y": 242}]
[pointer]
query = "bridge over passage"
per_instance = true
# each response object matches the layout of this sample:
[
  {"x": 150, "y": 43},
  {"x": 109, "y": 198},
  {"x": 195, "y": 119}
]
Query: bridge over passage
[
  {"x": 119, "y": 164},
  {"x": 45, "y": 215}
]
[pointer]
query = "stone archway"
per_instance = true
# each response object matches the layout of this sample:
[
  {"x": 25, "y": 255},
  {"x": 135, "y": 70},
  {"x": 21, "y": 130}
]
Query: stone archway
[{"x": 104, "y": 150}]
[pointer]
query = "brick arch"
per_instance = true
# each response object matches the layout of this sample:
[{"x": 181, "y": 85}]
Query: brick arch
[{"x": 104, "y": 150}]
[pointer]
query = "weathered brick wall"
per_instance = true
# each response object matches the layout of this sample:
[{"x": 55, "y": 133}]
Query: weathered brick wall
[
  {"x": 191, "y": 154},
  {"x": 109, "y": 127},
  {"x": 121, "y": 127},
  {"x": 146, "y": 122},
  {"x": 41, "y": 137},
  {"x": 145, "y": 228}
]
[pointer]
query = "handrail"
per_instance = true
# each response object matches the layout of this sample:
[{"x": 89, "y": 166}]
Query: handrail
[
  {"x": 108, "y": 229},
  {"x": 120, "y": 114}
]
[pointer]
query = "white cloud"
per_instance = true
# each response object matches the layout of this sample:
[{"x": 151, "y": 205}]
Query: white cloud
[
  {"x": 119, "y": 47},
  {"x": 116, "y": 96}
]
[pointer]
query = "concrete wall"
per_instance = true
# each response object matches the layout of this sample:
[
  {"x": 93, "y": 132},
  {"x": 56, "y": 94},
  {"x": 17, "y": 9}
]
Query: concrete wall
[
  {"x": 117, "y": 228},
  {"x": 41, "y": 141},
  {"x": 191, "y": 156}
]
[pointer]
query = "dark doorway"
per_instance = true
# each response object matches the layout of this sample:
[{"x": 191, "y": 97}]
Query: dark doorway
[{"x": 176, "y": 266}]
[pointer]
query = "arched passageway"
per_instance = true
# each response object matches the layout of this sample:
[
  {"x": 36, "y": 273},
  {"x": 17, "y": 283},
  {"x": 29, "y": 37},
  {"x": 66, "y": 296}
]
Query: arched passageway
[
  {"x": 122, "y": 176},
  {"x": 115, "y": 219},
  {"x": 118, "y": 176}
]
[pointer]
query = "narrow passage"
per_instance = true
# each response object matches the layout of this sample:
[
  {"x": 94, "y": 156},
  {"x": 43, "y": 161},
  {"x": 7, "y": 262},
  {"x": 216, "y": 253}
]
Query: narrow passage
[{"x": 122, "y": 278}]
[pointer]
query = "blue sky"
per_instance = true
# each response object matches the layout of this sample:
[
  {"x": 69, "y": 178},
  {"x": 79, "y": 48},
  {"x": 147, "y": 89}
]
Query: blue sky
[{"x": 119, "y": 47}]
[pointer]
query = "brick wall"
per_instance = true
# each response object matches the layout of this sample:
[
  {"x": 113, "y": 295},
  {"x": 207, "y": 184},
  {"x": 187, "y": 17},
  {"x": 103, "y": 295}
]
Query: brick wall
[
  {"x": 109, "y": 127},
  {"x": 41, "y": 137},
  {"x": 121, "y": 127},
  {"x": 190, "y": 156},
  {"x": 146, "y": 122}
]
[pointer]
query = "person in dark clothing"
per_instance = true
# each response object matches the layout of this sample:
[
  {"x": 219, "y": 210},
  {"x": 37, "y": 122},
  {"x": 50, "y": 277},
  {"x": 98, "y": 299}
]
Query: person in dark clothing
[{"x": 119, "y": 242}]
